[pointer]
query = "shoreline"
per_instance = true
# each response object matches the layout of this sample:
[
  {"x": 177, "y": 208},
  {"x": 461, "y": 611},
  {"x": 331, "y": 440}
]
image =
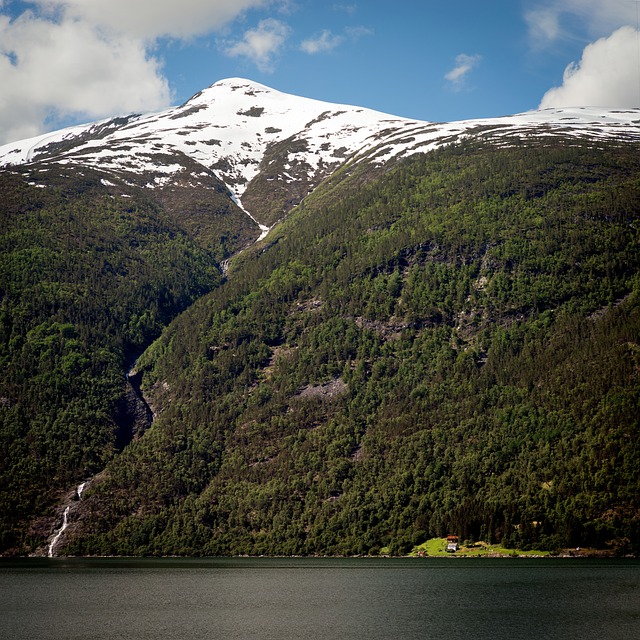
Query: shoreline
[{"x": 564, "y": 554}]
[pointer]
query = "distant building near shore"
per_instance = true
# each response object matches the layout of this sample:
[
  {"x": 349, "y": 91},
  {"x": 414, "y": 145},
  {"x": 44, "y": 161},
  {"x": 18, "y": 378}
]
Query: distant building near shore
[{"x": 452, "y": 544}]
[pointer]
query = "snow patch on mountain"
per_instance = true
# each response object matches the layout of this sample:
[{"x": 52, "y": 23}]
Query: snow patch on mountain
[
  {"x": 571, "y": 122},
  {"x": 226, "y": 128},
  {"x": 232, "y": 126}
]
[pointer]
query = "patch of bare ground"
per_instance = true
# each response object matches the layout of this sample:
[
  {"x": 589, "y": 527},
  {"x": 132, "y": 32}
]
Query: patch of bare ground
[
  {"x": 596, "y": 315},
  {"x": 158, "y": 396},
  {"x": 283, "y": 352},
  {"x": 330, "y": 390},
  {"x": 390, "y": 330},
  {"x": 308, "y": 305},
  {"x": 358, "y": 454}
]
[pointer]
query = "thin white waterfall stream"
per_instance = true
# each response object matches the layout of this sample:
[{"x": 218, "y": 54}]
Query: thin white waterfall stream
[
  {"x": 263, "y": 229},
  {"x": 65, "y": 524},
  {"x": 65, "y": 520}
]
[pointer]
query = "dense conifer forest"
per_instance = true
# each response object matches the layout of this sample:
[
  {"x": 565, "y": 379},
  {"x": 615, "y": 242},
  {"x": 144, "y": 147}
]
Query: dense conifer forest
[
  {"x": 449, "y": 346},
  {"x": 87, "y": 281}
]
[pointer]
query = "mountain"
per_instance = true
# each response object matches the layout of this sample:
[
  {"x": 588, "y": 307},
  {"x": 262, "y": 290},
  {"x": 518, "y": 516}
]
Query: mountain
[
  {"x": 260, "y": 141},
  {"x": 439, "y": 333}
]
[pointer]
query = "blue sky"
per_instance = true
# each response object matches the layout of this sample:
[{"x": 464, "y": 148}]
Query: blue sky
[{"x": 69, "y": 61}]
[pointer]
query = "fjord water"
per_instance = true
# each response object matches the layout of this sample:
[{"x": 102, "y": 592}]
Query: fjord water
[{"x": 319, "y": 599}]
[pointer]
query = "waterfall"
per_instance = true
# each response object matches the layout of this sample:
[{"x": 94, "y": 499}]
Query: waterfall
[
  {"x": 65, "y": 524},
  {"x": 65, "y": 519}
]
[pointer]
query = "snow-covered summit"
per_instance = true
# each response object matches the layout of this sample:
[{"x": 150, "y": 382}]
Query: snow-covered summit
[
  {"x": 225, "y": 128},
  {"x": 245, "y": 133}
]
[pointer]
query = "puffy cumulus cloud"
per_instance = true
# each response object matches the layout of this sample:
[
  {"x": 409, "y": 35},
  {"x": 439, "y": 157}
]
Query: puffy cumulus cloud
[
  {"x": 606, "y": 76},
  {"x": 150, "y": 19},
  {"x": 63, "y": 60},
  {"x": 550, "y": 20},
  {"x": 326, "y": 41},
  {"x": 53, "y": 70},
  {"x": 262, "y": 44},
  {"x": 464, "y": 65}
]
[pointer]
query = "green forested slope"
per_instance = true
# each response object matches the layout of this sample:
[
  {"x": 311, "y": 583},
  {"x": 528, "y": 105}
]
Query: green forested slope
[
  {"x": 451, "y": 348},
  {"x": 87, "y": 280}
]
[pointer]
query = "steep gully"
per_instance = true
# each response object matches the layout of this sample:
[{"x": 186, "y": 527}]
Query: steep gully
[
  {"x": 134, "y": 415},
  {"x": 133, "y": 418}
]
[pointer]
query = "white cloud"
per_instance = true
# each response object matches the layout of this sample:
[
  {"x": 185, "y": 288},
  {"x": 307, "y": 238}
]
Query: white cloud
[
  {"x": 464, "y": 65},
  {"x": 347, "y": 8},
  {"x": 608, "y": 75},
  {"x": 150, "y": 19},
  {"x": 326, "y": 41},
  {"x": 261, "y": 44},
  {"x": 550, "y": 20},
  {"x": 49, "y": 71},
  {"x": 358, "y": 32},
  {"x": 544, "y": 26},
  {"x": 85, "y": 59}
]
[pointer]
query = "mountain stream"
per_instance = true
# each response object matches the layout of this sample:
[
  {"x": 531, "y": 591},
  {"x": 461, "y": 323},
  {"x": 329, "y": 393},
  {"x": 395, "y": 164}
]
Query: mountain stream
[
  {"x": 65, "y": 521},
  {"x": 134, "y": 417}
]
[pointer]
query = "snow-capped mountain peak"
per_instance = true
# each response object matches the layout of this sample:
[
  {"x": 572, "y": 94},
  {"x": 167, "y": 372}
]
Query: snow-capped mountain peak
[
  {"x": 252, "y": 137},
  {"x": 226, "y": 128}
]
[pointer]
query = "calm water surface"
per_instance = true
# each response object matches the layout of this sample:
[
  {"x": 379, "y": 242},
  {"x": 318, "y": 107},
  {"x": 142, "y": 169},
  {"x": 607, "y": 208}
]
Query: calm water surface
[{"x": 281, "y": 599}]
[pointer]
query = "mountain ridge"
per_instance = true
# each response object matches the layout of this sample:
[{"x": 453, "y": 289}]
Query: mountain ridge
[{"x": 248, "y": 134}]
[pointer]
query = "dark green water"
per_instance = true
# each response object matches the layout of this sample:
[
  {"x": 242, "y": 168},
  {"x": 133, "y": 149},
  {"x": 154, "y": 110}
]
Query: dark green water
[{"x": 282, "y": 599}]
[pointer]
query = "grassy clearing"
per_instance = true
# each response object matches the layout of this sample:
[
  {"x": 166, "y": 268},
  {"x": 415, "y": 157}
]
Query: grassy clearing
[{"x": 436, "y": 547}]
